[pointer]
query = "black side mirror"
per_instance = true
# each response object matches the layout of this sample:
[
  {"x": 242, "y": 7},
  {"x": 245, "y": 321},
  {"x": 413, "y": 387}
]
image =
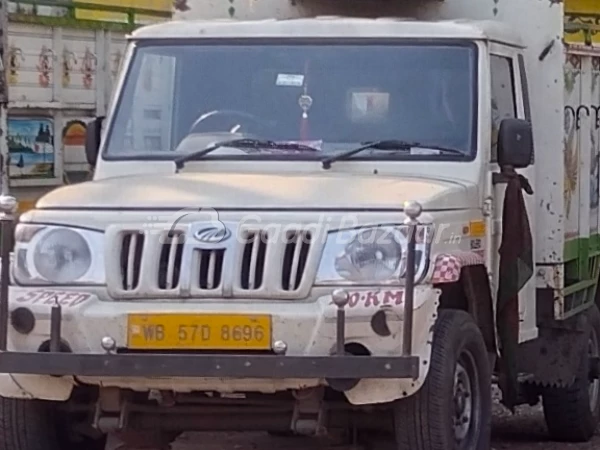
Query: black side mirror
[
  {"x": 93, "y": 135},
  {"x": 515, "y": 143}
]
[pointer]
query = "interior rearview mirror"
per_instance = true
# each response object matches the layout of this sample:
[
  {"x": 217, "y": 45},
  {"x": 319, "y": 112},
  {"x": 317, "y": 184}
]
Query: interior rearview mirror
[
  {"x": 515, "y": 143},
  {"x": 92, "y": 140}
]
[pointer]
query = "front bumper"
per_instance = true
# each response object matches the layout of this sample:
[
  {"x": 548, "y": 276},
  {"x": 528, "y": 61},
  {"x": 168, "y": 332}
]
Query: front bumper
[
  {"x": 209, "y": 366},
  {"x": 66, "y": 339}
]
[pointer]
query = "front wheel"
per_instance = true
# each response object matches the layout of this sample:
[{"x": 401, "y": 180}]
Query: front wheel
[
  {"x": 572, "y": 413},
  {"x": 453, "y": 409},
  {"x": 36, "y": 425},
  {"x": 27, "y": 425}
]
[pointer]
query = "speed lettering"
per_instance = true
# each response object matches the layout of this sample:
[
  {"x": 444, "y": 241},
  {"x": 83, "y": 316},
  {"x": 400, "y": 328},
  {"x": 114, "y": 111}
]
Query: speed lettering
[{"x": 67, "y": 299}]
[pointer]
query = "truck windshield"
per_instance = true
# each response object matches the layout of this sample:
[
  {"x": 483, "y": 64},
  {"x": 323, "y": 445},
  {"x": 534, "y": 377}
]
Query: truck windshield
[{"x": 181, "y": 98}]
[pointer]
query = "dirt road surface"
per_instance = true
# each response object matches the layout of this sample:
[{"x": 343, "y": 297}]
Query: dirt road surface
[{"x": 523, "y": 431}]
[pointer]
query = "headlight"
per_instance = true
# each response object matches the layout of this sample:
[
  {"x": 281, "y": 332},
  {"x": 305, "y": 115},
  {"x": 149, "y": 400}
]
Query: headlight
[
  {"x": 58, "y": 255},
  {"x": 372, "y": 255}
]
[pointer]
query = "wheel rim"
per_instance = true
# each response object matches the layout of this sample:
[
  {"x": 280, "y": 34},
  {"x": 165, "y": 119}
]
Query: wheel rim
[
  {"x": 466, "y": 401},
  {"x": 594, "y": 389}
]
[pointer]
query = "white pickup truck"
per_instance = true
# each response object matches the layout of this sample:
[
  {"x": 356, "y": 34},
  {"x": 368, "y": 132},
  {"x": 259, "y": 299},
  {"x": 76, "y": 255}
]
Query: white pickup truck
[{"x": 315, "y": 224}]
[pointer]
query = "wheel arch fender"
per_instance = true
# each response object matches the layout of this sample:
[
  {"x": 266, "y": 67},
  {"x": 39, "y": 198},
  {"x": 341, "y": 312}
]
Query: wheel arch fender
[{"x": 465, "y": 285}]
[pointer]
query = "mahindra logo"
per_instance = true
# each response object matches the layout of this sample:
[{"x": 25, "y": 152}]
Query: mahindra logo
[{"x": 212, "y": 235}]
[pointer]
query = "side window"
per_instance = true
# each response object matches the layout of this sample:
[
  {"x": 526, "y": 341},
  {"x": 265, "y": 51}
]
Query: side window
[{"x": 503, "y": 96}]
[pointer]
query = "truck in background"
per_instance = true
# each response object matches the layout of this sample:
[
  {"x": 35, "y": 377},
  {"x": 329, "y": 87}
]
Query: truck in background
[
  {"x": 470, "y": 258},
  {"x": 61, "y": 60}
]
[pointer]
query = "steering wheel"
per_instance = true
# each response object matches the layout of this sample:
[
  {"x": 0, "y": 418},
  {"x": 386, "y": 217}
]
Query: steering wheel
[{"x": 236, "y": 115}]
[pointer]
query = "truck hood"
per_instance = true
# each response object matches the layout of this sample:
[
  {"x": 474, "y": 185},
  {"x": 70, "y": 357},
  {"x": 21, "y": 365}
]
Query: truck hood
[{"x": 327, "y": 190}]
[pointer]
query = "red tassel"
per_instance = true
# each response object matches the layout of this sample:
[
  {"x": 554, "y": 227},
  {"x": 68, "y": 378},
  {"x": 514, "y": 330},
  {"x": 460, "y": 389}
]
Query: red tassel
[{"x": 304, "y": 128}]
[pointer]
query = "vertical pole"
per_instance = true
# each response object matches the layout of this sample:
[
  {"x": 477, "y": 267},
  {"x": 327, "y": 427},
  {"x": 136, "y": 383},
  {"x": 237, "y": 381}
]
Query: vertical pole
[
  {"x": 409, "y": 293},
  {"x": 55, "y": 326},
  {"x": 341, "y": 332},
  {"x": 8, "y": 206},
  {"x": 5, "y": 238},
  {"x": 412, "y": 211},
  {"x": 340, "y": 299}
]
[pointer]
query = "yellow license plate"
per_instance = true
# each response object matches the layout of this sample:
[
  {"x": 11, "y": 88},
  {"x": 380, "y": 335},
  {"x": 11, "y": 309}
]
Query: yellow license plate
[{"x": 198, "y": 332}]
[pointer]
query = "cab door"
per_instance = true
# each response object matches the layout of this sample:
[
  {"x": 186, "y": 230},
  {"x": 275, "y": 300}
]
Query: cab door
[{"x": 510, "y": 99}]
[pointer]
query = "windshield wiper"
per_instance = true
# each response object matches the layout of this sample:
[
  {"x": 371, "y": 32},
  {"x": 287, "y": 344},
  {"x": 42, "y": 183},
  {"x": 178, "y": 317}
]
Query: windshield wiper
[
  {"x": 388, "y": 145},
  {"x": 242, "y": 143}
]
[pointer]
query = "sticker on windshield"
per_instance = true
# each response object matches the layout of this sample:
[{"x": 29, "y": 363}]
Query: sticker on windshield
[
  {"x": 369, "y": 106},
  {"x": 287, "y": 79}
]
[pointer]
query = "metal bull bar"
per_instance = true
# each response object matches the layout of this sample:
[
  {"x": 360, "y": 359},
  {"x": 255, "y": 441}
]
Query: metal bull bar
[{"x": 342, "y": 370}]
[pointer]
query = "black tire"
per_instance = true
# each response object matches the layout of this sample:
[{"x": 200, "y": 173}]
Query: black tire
[
  {"x": 35, "y": 425},
  {"x": 569, "y": 412},
  {"x": 27, "y": 425},
  {"x": 426, "y": 420}
]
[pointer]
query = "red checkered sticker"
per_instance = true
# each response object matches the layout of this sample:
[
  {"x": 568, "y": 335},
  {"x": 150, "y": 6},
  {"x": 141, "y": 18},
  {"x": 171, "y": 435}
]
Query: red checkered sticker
[{"x": 447, "y": 267}]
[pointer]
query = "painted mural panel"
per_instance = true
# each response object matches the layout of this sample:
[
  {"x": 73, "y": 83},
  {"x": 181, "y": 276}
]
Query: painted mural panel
[
  {"x": 573, "y": 86},
  {"x": 31, "y": 148},
  {"x": 582, "y": 14}
]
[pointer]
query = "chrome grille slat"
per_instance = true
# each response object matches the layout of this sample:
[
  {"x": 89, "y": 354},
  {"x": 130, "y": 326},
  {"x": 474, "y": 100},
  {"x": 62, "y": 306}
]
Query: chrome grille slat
[
  {"x": 130, "y": 261},
  {"x": 131, "y": 258},
  {"x": 253, "y": 260},
  {"x": 173, "y": 247},
  {"x": 210, "y": 279},
  {"x": 295, "y": 260},
  {"x": 296, "y": 254},
  {"x": 170, "y": 260},
  {"x": 171, "y": 266},
  {"x": 210, "y": 269}
]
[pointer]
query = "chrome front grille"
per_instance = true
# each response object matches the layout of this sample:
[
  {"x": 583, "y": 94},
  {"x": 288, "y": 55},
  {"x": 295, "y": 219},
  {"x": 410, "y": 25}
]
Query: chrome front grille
[{"x": 250, "y": 263}]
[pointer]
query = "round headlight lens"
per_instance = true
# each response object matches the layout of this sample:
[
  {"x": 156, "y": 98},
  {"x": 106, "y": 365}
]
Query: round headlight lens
[
  {"x": 373, "y": 255},
  {"x": 62, "y": 256}
]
